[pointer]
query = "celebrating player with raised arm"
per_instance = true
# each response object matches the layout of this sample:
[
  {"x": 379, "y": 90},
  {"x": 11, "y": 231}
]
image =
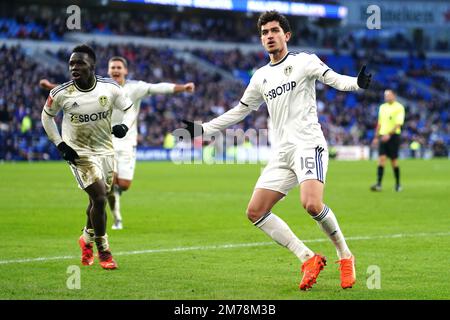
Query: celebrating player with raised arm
[
  {"x": 287, "y": 86},
  {"x": 125, "y": 149},
  {"x": 86, "y": 144}
]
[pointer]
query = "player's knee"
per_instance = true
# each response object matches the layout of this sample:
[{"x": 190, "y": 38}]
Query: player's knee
[
  {"x": 255, "y": 213},
  {"x": 99, "y": 200},
  {"x": 313, "y": 207},
  {"x": 124, "y": 184},
  {"x": 124, "y": 187}
]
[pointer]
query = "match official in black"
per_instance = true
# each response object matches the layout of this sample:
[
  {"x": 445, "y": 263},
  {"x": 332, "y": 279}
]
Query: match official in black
[{"x": 391, "y": 117}]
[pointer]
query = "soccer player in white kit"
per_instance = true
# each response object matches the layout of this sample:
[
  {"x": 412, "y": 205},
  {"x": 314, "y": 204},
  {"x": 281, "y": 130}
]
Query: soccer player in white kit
[
  {"x": 86, "y": 144},
  {"x": 125, "y": 149},
  {"x": 300, "y": 155}
]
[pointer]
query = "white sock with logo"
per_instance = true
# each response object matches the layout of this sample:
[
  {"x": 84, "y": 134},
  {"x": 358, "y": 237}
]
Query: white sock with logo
[
  {"x": 280, "y": 232},
  {"x": 328, "y": 223}
]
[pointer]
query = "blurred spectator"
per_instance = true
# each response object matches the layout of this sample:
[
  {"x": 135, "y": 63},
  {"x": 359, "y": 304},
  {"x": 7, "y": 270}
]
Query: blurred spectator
[
  {"x": 414, "y": 148},
  {"x": 440, "y": 149}
]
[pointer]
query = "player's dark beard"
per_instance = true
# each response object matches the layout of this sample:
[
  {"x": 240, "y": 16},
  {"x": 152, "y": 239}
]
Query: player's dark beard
[{"x": 86, "y": 82}]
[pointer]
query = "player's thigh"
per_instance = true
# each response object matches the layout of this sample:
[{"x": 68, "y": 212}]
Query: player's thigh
[
  {"x": 311, "y": 196},
  {"x": 125, "y": 164},
  {"x": 277, "y": 176},
  {"x": 107, "y": 165},
  {"x": 97, "y": 192},
  {"x": 274, "y": 183},
  {"x": 311, "y": 166},
  {"x": 87, "y": 171},
  {"x": 261, "y": 203}
]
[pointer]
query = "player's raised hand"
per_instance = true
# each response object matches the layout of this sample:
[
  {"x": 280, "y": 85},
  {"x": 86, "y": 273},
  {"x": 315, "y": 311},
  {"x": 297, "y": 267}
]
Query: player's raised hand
[
  {"x": 119, "y": 130},
  {"x": 363, "y": 78},
  {"x": 189, "y": 87},
  {"x": 45, "y": 84},
  {"x": 67, "y": 153},
  {"x": 193, "y": 128}
]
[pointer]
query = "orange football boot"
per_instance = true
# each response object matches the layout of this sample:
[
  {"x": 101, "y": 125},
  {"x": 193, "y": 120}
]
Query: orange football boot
[
  {"x": 106, "y": 260},
  {"x": 87, "y": 252},
  {"x": 311, "y": 269},
  {"x": 348, "y": 273}
]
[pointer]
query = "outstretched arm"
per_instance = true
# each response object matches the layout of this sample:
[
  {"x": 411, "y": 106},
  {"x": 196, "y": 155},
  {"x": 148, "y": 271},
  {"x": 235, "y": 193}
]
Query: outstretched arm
[
  {"x": 47, "y": 85},
  {"x": 168, "y": 88},
  {"x": 251, "y": 100},
  {"x": 318, "y": 70},
  {"x": 187, "y": 87},
  {"x": 347, "y": 83},
  {"x": 227, "y": 119}
]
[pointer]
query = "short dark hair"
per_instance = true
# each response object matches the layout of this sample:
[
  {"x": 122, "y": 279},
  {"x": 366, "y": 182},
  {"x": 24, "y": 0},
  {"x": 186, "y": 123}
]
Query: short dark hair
[
  {"x": 84, "y": 48},
  {"x": 273, "y": 15},
  {"x": 121, "y": 59}
]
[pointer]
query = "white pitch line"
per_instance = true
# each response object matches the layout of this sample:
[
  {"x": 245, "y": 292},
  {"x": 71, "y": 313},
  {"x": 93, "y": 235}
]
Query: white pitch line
[{"x": 231, "y": 246}]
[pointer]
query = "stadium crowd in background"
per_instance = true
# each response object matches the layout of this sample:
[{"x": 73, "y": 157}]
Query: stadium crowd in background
[
  {"x": 347, "y": 119},
  {"x": 46, "y": 22}
]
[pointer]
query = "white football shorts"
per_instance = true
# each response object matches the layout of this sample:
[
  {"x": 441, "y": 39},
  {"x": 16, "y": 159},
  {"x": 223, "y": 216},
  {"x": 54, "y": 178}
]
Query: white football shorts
[
  {"x": 125, "y": 163},
  {"x": 289, "y": 168},
  {"x": 90, "y": 169}
]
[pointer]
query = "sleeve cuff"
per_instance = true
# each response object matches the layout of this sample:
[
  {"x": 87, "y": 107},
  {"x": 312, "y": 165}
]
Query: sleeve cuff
[{"x": 49, "y": 114}]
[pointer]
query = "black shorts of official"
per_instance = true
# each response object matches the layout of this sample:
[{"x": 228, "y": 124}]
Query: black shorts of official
[{"x": 391, "y": 147}]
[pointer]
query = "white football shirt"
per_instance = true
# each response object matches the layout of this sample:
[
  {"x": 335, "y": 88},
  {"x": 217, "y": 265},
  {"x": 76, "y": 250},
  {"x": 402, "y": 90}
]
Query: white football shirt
[
  {"x": 288, "y": 88},
  {"x": 86, "y": 124},
  {"x": 136, "y": 91}
]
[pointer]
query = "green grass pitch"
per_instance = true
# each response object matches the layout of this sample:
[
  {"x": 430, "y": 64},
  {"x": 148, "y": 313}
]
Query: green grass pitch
[{"x": 186, "y": 235}]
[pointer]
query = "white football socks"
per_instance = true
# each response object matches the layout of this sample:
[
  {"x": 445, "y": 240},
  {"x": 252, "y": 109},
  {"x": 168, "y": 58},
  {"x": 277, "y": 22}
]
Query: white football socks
[
  {"x": 328, "y": 223},
  {"x": 280, "y": 232},
  {"x": 88, "y": 235},
  {"x": 102, "y": 243}
]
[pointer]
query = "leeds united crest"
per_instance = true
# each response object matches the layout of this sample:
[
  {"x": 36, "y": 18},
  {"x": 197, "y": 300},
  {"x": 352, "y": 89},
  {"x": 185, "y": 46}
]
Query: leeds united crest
[
  {"x": 103, "y": 101},
  {"x": 288, "y": 70}
]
